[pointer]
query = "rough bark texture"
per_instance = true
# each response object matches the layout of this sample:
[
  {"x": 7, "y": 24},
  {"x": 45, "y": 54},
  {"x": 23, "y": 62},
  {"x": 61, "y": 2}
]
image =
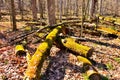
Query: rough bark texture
[
  {"x": 20, "y": 5},
  {"x": 13, "y": 14},
  {"x": 34, "y": 9},
  {"x": 51, "y": 12},
  {"x": 41, "y": 8}
]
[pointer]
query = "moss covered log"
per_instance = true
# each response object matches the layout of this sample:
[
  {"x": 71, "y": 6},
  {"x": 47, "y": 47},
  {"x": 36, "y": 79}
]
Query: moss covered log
[
  {"x": 107, "y": 30},
  {"x": 78, "y": 48},
  {"x": 36, "y": 62},
  {"x": 19, "y": 50},
  {"x": 90, "y": 71},
  {"x": 84, "y": 60}
]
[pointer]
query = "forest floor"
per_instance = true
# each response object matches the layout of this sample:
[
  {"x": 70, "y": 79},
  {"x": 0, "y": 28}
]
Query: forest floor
[{"x": 63, "y": 64}]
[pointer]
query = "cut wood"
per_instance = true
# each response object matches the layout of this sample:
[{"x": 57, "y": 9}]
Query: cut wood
[
  {"x": 84, "y": 60},
  {"x": 78, "y": 48},
  {"x": 36, "y": 62},
  {"x": 106, "y": 30},
  {"x": 19, "y": 50}
]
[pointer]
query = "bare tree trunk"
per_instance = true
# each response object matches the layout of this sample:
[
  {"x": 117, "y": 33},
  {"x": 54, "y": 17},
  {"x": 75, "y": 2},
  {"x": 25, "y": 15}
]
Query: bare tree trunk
[
  {"x": 13, "y": 14},
  {"x": 20, "y": 5},
  {"x": 0, "y": 13},
  {"x": 41, "y": 8},
  {"x": 92, "y": 8},
  {"x": 83, "y": 16},
  {"x": 116, "y": 9},
  {"x": 1, "y": 2},
  {"x": 60, "y": 8},
  {"x": 34, "y": 9},
  {"x": 100, "y": 7},
  {"x": 76, "y": 8},
  {"x": 51, "y": 12}
]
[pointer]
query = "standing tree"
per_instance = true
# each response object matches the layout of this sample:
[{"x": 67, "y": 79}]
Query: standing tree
[
  {"x": 92, "y": 8},
  {"x": 13, "y": 14},
  {"x": 83, "y": 16},
  {"x": 34, "y": 9},
  {"x": 51, "y": 12},
  {"x": 100, "y": 7},
  {"x": 41, "y": 8},
  {"x": 60, "y": 8},
  {"x": 20, "y": 5}
]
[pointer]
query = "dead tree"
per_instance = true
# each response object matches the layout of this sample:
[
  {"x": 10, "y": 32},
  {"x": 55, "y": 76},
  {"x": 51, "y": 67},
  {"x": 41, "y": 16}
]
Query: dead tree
[
  {"x": 34, "y": 9},
  {"x": 13, "y": 15},
  {"x": 51, "y": 12}
]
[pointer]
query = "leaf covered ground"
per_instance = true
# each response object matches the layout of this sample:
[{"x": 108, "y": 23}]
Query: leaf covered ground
[{"x": 63, "y": 64}]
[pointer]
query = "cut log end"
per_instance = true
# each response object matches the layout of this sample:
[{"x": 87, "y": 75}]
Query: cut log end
[
  {"x": 95, "y": 76},
  {"x": 21, "y": 53},
  {"x": 90, "y": 52}
]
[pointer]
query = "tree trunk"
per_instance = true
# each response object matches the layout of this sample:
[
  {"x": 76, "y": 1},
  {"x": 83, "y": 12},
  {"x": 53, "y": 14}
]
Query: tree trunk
[
  {"x": 34, "y": 9},
  {"x": 83, "y": 16},
  {"x": 100, "y": 7},
  {"x": 20, "y": 5},
  {"x": 92, "y": 8},
  {"x": 51, "y": 12},
  {"x": 13, "y": 14},
  {"x": 60, "y": 8},
  {"x": 41, "y": 8},
  {"x": 117, "y": 7}
]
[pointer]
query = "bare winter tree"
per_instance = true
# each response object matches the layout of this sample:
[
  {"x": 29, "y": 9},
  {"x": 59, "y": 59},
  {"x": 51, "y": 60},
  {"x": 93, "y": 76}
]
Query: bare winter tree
[
  {"x": 100, "y": 7},
  {"x": 34, "y": 9},
  {"x": 41, "y": 8},
  {"x": 13, "y": 14},
  {"x": 92, "y": 8},
  {"x": 51, "y": 12},
  {"x": 20, "y": 5},
  {"x": 60, "y": 8}
]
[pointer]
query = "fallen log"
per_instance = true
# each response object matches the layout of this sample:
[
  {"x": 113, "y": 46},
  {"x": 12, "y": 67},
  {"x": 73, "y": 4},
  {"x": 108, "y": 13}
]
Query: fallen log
[
  {"x": 106, "y": 30},
  {"x": 19, "y": 50},
  {"x": 78, "y": 48},
  {"x": 36, "y": 62},
  {"x": 84, "y": 60},
  {"x": 91, "y": 72}
]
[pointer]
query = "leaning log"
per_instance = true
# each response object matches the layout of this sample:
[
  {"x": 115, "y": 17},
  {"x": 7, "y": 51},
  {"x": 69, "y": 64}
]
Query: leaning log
[
  {"x": 78, "y": 48},
  {"x": 36, "y": 62}
]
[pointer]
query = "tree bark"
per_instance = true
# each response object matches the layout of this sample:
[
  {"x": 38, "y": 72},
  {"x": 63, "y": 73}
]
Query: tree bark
[
  {"x": 20, "y": 5},
  {"x": 41, "y": 8},
  {"x": 34, "y": 9},
  {"x": 100, "y": 7},
  {"x": 51, "y": 12},
  {"x": 92, "y": 8},
  {"x": 13, "y": 14},
  {"x": 60, "y": 8}
]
